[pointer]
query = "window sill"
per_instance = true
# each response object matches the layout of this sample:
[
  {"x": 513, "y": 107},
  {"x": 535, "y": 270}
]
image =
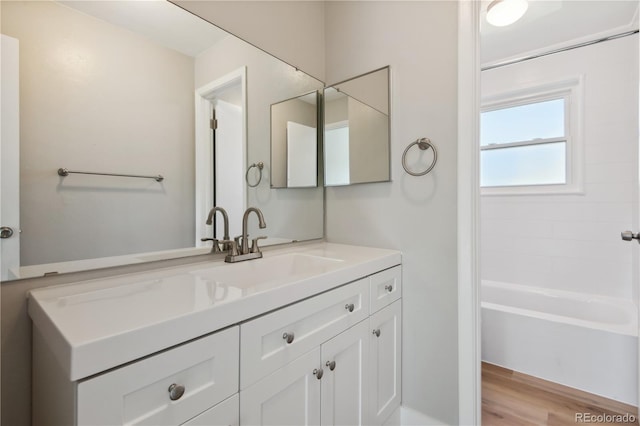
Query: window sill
[{"x": 532, "y": 190}]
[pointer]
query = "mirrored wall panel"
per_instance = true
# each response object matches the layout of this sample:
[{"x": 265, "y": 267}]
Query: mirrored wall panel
[
  {"x": 108, "y": 87},
  {"x": 294, "y": 142},
  {"x": 356, "y": 130}
]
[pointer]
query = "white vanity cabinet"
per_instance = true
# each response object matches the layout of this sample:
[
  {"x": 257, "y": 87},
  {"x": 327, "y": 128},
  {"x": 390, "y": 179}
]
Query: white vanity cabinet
[
  {"x": 273, "y": 340},
  {"x": 385, "y": 350},
  {"x": 169, "y": 388},
  {"x": 345, "y": 388},
  {"x": 309, "y": 337},
  {"x": 385, "y": 344},
  {"x": 345, "y": 369}
]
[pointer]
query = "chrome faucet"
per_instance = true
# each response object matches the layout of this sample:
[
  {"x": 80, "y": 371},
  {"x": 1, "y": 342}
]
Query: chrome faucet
[
  {"x": 244, "y": 252},
  {"x": 225, "y": 243}
]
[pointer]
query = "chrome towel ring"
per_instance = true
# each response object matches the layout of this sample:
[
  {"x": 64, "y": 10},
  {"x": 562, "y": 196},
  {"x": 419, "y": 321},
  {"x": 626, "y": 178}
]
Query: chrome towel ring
[
  {"x": 260, "y": 166},
  {"x": 423, "y": 144}
]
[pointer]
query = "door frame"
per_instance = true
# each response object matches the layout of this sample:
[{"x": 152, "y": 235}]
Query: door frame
[
  {"x": 204, "y": 97},
  {"x": 469, "y": 356}
]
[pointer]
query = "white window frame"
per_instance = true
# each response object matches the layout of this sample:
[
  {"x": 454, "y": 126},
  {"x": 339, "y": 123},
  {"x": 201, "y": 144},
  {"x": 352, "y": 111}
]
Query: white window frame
[{"x": 572, "y": 91}]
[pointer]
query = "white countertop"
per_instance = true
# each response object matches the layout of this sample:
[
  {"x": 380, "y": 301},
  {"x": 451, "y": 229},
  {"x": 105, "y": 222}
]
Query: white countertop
[{"x": 95, "y": 325}]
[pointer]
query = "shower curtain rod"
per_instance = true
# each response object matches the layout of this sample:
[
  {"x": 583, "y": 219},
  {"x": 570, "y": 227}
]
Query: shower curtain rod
[{"x": 562, "y": 49}]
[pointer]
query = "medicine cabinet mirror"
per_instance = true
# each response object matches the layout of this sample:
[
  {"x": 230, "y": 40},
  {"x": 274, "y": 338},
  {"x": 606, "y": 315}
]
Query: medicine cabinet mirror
[
  {"x": 356, "y": 130},
  {"x": 294, "y": 142}
]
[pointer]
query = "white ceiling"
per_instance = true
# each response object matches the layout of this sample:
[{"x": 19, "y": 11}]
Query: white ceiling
[{"x": 551, "y": 24}]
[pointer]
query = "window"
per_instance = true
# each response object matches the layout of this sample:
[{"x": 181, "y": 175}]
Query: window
[{"x": 529, "y": 142}]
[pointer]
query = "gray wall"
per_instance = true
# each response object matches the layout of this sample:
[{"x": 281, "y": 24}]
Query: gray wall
[
  {"x": 95, "y": 97},
  {"x": 414, "y": 214},
  {"x": 368, "y": 143}
]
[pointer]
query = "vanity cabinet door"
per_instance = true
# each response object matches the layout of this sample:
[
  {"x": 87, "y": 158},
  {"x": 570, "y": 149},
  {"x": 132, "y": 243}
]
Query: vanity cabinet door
[
  {"x": 289, "y": 396},
  {"x": 345, "y": 388},
  {"x": 385, "y": 344},
  {"x": 169, "y": 388}
]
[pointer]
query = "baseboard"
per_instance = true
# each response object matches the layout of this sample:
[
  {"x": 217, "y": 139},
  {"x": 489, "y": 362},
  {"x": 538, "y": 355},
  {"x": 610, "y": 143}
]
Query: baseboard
[{"x": 411, "y": 417}]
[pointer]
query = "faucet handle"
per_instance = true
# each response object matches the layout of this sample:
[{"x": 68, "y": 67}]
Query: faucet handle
[
  {"x": 254, "y": 244},
  {"x": 215, "y": 248}
]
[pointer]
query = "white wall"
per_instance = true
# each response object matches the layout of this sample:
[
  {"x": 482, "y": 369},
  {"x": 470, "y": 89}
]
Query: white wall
[
  {"x": 572, "y": 242},
  {"x": 95, "y": 97},
  {"x": 414, "y": 214}
]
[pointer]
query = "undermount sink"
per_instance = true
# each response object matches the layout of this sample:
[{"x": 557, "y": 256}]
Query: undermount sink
[{"x": 268, "y": 271}]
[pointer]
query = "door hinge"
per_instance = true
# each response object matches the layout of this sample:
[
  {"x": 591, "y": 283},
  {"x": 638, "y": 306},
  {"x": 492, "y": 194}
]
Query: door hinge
[{"x": 213, "y": 123}]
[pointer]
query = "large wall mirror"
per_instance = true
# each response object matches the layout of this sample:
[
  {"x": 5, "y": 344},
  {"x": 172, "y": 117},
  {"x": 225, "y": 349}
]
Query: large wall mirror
[
  {"x": 109, "y": 87},
  {"x": 356, "y": 130}
]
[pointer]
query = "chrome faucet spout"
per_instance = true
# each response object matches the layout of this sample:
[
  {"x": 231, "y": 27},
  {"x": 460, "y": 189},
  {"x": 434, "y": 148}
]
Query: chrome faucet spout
[{"x": 245, "y": 234}]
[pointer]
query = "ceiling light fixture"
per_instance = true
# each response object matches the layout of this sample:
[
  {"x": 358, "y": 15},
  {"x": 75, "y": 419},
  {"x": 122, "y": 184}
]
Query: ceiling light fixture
[{"x": 501, "y": 13}]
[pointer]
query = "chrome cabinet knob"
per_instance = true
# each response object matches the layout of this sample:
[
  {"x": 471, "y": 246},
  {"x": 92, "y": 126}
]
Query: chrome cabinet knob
[
  {"x": 389, "y": 288},
  {"x": 628, "y": 236},
  {"x": 349, "y": 307},
  {"x": 376, "y": 332},
  {"x": 176, "y": 392},
  {"x": 288, "y": 337},
  {"x": 331, "y": 365},
  {"x": 6, "y": 232},
  {"x": 318, "y": 373}
]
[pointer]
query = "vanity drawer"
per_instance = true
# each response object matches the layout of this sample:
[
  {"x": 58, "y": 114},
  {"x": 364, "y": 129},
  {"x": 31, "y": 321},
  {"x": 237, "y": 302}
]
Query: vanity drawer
[
  {"x": 139, "y": 393},
  {"x": 227, "y": 413},
  {"x": 273, "y": 340},
  {"x": 386, "y": 287}
]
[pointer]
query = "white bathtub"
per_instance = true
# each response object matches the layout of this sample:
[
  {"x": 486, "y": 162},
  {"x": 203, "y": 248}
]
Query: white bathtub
[{"x": 582, "y": 341}]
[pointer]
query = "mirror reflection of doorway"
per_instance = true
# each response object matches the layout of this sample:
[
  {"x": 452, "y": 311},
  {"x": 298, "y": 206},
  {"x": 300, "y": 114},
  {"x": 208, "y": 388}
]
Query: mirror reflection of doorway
[
  {"x": 221, "y": 153},
  {"x": 227, "y": 162}
]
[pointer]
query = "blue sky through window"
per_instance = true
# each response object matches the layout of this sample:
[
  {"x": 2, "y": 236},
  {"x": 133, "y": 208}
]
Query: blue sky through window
[
  {"x": 540, "y": 120},
  {"x": 537, "y": 163},
  {"x": 541, "y": 164}
]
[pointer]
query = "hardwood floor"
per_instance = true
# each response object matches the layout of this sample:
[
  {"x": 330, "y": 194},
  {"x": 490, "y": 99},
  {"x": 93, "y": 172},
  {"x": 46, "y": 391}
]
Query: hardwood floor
[{"x": 510, "y": 398}]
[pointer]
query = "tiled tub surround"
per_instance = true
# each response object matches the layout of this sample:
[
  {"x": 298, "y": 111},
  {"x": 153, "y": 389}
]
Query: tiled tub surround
[
  {"x": 322, "y": 291},
  {"x": 572, "y": 242}
]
